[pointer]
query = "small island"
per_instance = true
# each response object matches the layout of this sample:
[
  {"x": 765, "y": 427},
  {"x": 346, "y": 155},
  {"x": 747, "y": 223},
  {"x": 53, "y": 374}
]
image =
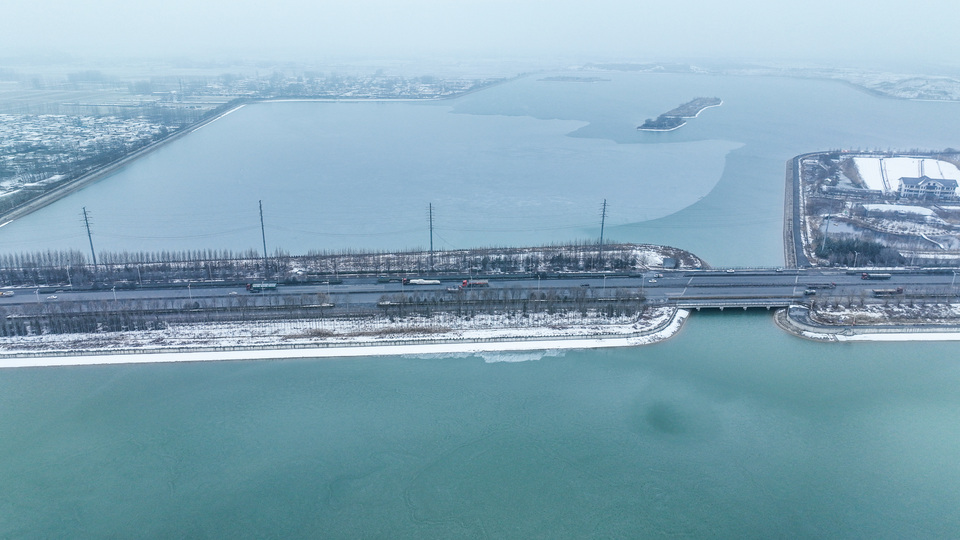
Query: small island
[{"x": 674, "y": 118}]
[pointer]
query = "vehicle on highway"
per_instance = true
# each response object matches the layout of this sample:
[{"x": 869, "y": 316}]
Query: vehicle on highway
[
  {"x": 260, "y": 287},
  {"x": 888, "y": 292},
  {"x": 874, "y": 275},
  {"x": 730, "y": 270},
  {"x": 809, "y": 292},
  {"x": 822, "y": 286},
  {"x": 52, "y": 297},
  {"x": 651, "y": 281},
  {"x": 6, "y": 293}
]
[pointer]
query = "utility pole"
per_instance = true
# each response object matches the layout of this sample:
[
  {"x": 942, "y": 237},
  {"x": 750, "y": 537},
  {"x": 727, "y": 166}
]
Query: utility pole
[
  {"x": 431, "y": 236},
  {"x": 86, "y": 221},
  {"x": 263, "y": 235},
  {"x": 603, "y": 219}
]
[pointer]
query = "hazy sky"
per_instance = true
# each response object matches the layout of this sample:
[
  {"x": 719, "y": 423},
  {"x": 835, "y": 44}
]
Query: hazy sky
[{"x": 923, "y": 31}]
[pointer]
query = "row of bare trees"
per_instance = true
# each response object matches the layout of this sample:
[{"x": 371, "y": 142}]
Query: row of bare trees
[
  {"x": 154, "y": 314},
  {"x": 131, "y": 269},
  {"x": 516, "y": 301}
]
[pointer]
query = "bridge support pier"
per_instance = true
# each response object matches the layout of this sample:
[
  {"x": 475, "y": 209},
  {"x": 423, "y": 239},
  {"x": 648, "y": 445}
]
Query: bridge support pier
[{"x": 724, "y": 304}]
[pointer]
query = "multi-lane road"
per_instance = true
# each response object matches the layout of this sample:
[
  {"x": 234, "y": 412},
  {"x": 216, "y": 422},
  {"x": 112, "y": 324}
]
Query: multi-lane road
[{"x": 684, "y": 288}]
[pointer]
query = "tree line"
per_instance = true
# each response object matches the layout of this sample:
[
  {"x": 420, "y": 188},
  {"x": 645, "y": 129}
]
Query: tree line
[
  {"x": 141, "y": 268},
  {"x": 130, "y": 315}
]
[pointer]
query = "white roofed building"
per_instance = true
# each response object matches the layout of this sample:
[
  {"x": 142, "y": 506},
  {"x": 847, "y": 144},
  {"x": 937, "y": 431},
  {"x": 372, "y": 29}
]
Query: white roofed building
[{"x": 925, "y": 187}]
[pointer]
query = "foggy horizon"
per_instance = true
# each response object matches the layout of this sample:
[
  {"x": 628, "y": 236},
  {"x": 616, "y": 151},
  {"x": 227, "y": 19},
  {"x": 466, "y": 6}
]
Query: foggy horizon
[{"x": 854, "y": 33}]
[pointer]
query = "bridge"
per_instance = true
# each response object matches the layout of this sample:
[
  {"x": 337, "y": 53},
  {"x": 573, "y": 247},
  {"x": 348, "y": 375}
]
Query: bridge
[
  {"x": 763, "y": 288},
  {"x": 722, "y": 304}
]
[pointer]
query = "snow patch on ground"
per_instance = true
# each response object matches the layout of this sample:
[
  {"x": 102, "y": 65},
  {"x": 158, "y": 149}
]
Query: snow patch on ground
[
  {"x": 900, "y": 208},
  {"x": 901, "y": 320},
  {"x": 933, "y": 227},
  {"x": 884, "y": 174},
  {"x": 896, "y": 311},
  {"x": 877, "y": 322},
  {"x": 500, "y": 336}
]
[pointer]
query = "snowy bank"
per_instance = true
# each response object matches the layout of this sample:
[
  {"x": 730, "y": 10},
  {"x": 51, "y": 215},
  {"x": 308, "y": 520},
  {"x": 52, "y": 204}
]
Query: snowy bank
[
  {"x": 202, "y": 343},
  {"x": 872, "y": 323}
]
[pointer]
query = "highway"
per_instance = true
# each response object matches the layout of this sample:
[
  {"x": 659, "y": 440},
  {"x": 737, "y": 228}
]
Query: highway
[{"x": 683, "y": 288}]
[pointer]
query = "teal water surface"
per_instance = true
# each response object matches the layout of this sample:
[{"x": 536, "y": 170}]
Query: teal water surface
[{"x": 733, "y": 429}]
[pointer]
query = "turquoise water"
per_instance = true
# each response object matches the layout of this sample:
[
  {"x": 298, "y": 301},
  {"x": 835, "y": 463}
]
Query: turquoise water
[{"x": 733, "y": 429}]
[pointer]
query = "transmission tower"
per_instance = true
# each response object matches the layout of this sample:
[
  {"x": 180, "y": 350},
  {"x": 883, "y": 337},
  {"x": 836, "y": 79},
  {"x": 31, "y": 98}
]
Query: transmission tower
[
  {"x": 431, "y": 236},
  {"x": 263, "y": 235},
  {"x": 86, "y": 222},
  {"x": 603, "y": 220}
]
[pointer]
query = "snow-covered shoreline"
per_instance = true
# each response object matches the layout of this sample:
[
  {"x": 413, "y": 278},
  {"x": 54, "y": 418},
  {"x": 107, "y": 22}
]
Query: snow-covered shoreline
[
  {"x": 662, "y": 130},
  {"x": 218, "y": 117},
  {"x": 869, "y": 323},
  {"x": 664, "y": 323},
  {"x": 911, "y": 336},
  {"x": 705, "y": 108}
]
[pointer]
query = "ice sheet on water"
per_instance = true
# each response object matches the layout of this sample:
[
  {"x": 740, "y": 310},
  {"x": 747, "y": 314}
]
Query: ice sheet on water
[{"x": 526, "y": 356}]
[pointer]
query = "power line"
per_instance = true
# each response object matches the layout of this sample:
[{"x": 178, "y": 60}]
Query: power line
[
  {"x": 178, "y": 237},
  {"x": 391, "y": 232}
]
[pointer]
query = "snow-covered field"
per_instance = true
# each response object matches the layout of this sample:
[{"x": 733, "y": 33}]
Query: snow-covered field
[
  {"x": 897, "y": 311},
  {"x": 444, "y": 334},
  {"x": 900, "y": 208},
  {"x": 884, "y": 174}
]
